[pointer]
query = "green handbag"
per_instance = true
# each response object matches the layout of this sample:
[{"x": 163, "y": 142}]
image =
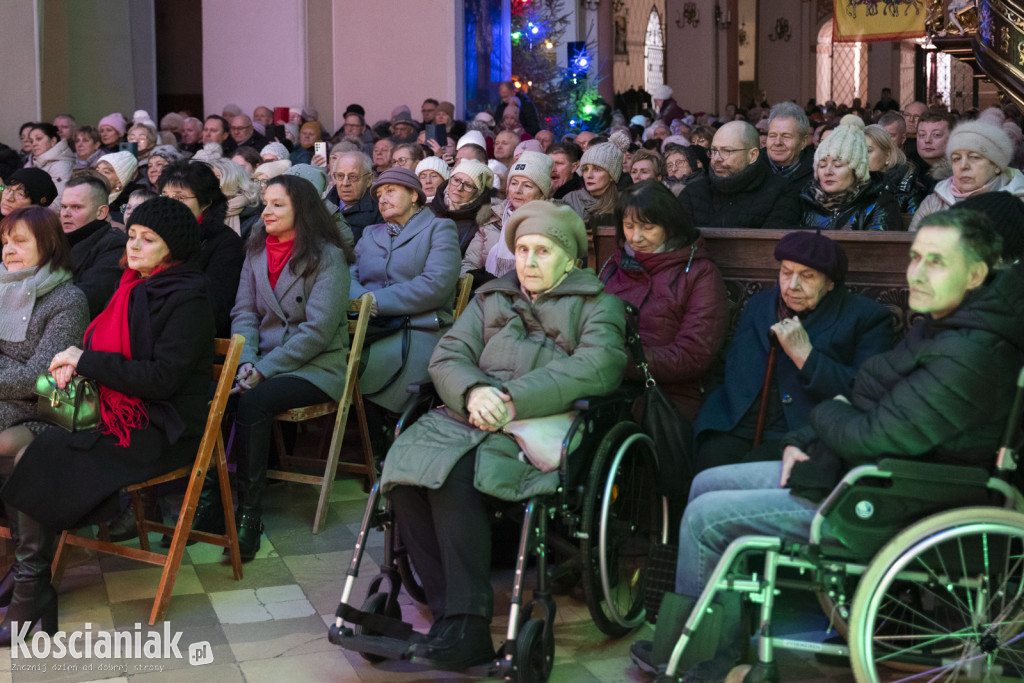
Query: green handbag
[{"x": 76, "y": 407}]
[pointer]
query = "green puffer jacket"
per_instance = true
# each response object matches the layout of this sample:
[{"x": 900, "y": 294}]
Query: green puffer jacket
[{"x": 567, "y": 344}]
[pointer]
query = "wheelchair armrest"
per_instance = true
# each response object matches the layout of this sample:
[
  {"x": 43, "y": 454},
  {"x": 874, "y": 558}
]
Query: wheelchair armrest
[
  {"x": 425, "y": 386},
  {"x": 925, "y": 472},
  {"x": 615, "y": 398}
]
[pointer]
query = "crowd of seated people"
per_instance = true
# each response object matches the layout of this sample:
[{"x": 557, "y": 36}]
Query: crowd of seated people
[{"x": 121, "y": 262}]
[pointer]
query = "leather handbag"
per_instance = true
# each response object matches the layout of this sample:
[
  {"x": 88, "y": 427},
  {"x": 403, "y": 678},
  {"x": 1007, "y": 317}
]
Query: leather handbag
[{"x": 76, "y": 407}]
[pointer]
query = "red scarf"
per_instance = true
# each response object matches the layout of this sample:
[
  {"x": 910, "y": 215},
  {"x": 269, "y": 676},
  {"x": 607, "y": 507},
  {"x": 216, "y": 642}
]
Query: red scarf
[
  {"x": 109, "y": 332},
  {"x": 278, "y": 253}
]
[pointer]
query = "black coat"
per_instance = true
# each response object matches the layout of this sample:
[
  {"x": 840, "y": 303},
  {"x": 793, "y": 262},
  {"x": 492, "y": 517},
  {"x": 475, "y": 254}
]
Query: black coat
[
  {"x": 942, "y": 394},
  {"x": 753, "y": 198},
  {"x": 359, "y": 215},
  {"x": 872, "y": 208},
  {"x": 64, "y": 476},
  {"x": 574, "y": 183},
  {"x": 96, "y": 250},
  {"x": 528, "y": 116},
  {"x": 220, "y": 259}
]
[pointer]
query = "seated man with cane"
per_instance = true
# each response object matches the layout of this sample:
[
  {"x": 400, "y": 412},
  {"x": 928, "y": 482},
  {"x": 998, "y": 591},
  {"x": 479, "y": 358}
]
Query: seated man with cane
[{"x": 795, "y": 346}]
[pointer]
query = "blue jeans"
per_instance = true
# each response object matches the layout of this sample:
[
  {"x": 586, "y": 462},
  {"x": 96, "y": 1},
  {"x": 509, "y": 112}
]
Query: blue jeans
[{"x": 731, "y": 501}]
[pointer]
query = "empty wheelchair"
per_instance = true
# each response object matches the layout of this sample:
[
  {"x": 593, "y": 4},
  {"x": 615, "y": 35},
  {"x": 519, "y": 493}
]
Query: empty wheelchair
[
  {"x": 605, "y": 515},
  {"x": 922, "y": 571}
]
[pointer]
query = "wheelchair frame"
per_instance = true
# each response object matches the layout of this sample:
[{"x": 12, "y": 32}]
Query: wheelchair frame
[
  {"x": 528, "y": 652},
  {"x": 828, "y": 574}
]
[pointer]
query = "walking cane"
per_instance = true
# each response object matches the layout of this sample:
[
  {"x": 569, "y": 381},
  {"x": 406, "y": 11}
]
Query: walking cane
[{"x": 773, "y": 351}]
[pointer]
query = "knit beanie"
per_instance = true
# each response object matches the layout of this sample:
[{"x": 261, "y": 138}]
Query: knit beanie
[
  {"x": 435, "y": 164},
  {"x": 168, "y": 152},
  {"x": 814, "y": 250},
  {"x": 37, "y": 183},
  {"x": 473, "y": 137},
  {"x": 661, "y": 92},
  {"x": 847, "y": 143},
  {"x": 500, "y": 172},
  {"x": 1006, "y": 213},
  {"x": 486, "y": 117},
  {"x": 142, "y": 116},
  {"x": 276, "y": 149},
  {"x": 173, "y": 221},
  {"x": 605, "y": 155},
  {"x": 1014, "y": 131},
  {"x": 115, "y": 121},
  {"x": 558, "y": 223},
  {"x": 482, "y": 176},
  {"x": 537, "y": 167},
  {"x": 399, "y": 175},
  {"x": 448, "y": 108},
  {"x": 398, "y": 110},
  {"x": 272, "y": 169},
  {"x": 313, "y": 174},
  {"x": 209, "y": 152},
  {"x": 123, "y": 163},
  {"x": 527, "y": 146},
  {"x": 674, "y": 140},
  {"x": 987, "y": 139}
]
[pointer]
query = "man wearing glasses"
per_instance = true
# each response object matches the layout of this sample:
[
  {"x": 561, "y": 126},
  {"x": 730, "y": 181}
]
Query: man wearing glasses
[
  {"x": 244, "y": 135},
  {"x": 740, "y": 190},
  {"x": 352, "y": 173}
]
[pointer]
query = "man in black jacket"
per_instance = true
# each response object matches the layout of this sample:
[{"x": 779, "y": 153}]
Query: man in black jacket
[
  {"x": 96, "y": 246},
  {"x": 352, "y": 173},
  {"x": 740, "y": 190},
  {"x": 789, "y": 154},
  {"x": 941, "y": 395}
]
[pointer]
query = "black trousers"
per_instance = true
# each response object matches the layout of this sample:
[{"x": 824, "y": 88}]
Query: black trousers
[{"x": 447, "y": 532}]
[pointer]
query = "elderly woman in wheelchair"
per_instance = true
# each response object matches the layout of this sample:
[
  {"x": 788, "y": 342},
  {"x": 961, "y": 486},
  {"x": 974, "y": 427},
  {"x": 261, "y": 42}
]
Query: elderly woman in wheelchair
[
  {"x": 529, "y": 345},
  {"x": 942, "y": 396}
]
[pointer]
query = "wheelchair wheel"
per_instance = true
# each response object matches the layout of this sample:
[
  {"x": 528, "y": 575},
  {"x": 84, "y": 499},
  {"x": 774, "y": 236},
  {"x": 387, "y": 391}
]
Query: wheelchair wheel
[
  {"x": 623, "y": 519},
  {"x": 944, "y": 600},
  {"x": 377, "y": 603},
  {"x": 535, "y": 648}
]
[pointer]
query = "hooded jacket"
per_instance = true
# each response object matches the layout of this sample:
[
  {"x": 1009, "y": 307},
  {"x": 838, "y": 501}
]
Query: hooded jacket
[{"x": 872, "y": 208}]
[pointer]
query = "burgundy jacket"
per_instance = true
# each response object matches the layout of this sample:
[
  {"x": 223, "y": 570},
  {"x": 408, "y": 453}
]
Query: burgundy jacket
[{"x": 683, "y": 316}]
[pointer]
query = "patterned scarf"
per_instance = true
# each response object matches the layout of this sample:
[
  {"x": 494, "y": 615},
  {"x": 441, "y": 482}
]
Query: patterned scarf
[{"x": 836, "y": 200}]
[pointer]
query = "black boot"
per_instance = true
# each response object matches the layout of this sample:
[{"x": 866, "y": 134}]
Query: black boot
[
  {"x": 34, "y": 599},
  {"x": 250, "y": 529},
  {"x": 458, "y": 643},
  {"x": 251, "y": 474},
  {"x": 7, "y": 583},
  {"x": 209, "y": 515},
  {"x": 122, "y": 527}
]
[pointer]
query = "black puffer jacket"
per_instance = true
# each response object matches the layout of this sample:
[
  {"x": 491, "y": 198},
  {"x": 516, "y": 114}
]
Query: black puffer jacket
[
  {"x": 943, "y": 393},
  {"x": 96, "y": 250},
  {"x": 753, "y": 198},
  {"x": 903, "y": 184},
  {"x": 872, "y": 208}
]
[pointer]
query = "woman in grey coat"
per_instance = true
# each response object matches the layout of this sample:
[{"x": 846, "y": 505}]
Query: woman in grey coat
[
  {"x": 291, "y": 310},
  {"x": 410, "y": 265}
]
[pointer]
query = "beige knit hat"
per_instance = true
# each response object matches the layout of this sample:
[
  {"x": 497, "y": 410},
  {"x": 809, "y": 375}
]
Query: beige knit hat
[
  {"x": 435, "y": 164},
  {"x": 847, "y": 143},
  {"x": 482, "y": 176},
  {"x": 123, "y": 163},
  {"x": 537, "y": 167},
  {"x": 558, "y": 223},
  {"x": 987, "y": 139},
  {"x": 607, "y": 155}
]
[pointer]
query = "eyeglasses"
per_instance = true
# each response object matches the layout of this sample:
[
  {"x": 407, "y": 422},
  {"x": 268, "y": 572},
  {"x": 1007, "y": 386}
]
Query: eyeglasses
[
  {"x": 349, "y": 178},
  {"x": 240, "y": 129},
  {"x": 910, "y": 117},
  {"x": 400, "y": 161},
  {"x": 178, "y": 197},
  {"x": 462, "y": 185},
  {"x": 259, "y": 182},
  {"x": 677, "y": 166},
  {"x": 724, "y": 152},
  {"x": 14, "y": 191}
]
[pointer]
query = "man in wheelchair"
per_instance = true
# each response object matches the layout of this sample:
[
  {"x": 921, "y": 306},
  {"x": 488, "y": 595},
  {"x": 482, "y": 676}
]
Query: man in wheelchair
[{"x": 943, "y": 395}]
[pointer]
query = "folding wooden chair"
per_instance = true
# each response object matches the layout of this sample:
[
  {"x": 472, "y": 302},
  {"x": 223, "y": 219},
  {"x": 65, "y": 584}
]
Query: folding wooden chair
[
  {"x": 462, "y": 298},
  {"x": 211, "y": 444},
  {"x": 340, "y": 410}
]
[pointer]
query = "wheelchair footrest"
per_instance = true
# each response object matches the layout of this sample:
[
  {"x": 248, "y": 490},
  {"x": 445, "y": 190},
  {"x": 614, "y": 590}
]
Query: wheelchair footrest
[{"x": 381, "y": 646}]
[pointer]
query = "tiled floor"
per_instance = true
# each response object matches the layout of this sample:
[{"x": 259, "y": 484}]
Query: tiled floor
[{"x": 271, "y": 626}]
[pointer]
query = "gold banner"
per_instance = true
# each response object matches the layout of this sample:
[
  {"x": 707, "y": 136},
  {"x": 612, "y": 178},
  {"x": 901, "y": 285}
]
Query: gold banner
[{"x": 868, "y": 20}]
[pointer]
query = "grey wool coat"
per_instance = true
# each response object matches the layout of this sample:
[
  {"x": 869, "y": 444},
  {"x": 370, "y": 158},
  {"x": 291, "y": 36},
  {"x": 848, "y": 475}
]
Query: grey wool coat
[
  {"x": 414, "y": 274},
  {"x": 547, "y": 353},
  {"x": 58, "y": 321},
  {"x": 300, "y": 327}
]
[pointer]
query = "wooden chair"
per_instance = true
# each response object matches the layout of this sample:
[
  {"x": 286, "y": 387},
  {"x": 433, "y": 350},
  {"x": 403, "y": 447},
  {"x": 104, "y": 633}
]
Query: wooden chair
[
  {"x": 340, "y": 410},
  {"x": 462, "y": 297},
  {"x": 212, "y": 444}
]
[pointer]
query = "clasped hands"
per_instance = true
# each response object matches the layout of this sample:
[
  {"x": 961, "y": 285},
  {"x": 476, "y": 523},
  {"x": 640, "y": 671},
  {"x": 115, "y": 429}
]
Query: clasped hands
[
  {"x": 489, "y": 408},
  {"x": 246, "y": 378},
  {"x": 64, "y": 364}
]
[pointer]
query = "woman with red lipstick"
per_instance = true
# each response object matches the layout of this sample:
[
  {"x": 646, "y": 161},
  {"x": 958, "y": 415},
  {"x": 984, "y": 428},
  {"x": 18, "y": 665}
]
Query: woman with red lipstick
[{"x": 844, "y": 195}]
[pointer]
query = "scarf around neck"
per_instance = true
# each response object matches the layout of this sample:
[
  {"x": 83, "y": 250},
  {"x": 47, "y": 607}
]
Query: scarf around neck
[
  {"x": 19, "y": 292},
  {"x": 994, "y": 184},
  {"x": 109, "y": 332},
  {"x": 836, "y": 200},
  {"x": 278, "y": 255},
  {"x": 499, "y": 259}
]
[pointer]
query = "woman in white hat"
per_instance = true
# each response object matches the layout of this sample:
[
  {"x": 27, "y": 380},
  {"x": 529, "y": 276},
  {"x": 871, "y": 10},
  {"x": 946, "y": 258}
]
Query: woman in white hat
[{"x": 465, "y": 198}]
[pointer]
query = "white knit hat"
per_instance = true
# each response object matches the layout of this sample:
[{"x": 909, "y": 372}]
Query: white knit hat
[
  {"x": 473, "y": 137},
  {"x": 537, "y": 167},
  {"x": 500, "y": 172},
  {"x": 435, "y": 164},
  {"x": 272, "y": 169},
  {"x": 486, "y": 117},
  {"x": 142, "y": 116},
  {"x": 607, "y": 155},
  {"x": 276, "y": 149},
  {"x": 123, "y": 163},
  {"x": 661, "y": 92},
  {"x": 209, "y": 152},
  {"x": 848, "y": 143},
  {"x": 987, "y": 139},
  {"x": 482, "y": 176}
]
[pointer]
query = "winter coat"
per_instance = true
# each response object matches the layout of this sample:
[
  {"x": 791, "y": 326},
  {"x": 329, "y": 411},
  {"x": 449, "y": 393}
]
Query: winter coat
[
  {"x": 59, "y": 163},
  {"x": 64, "y": 476},
  {"x": 360, "y": 214},
  {"x": 753, "y": 198},
  {"x": 547, "y": 353},
  {"x": 96, "y": 251},
  {"x": 58, "y": 321},
  {"x": 943, "y": 394},
  {"x": 488, "y": 235},
  {"x": 574, "y": 183},
  {"x": 872, "y": 208},
  {"x": 802, "y": 174},
  {"x": 468, "y": 219},
  {"x": 529, "y": 119},
  {"x": 298, "y": 328},
  {"x": 414, "y": 274},
  {"x": 845, "y": 330},
  {"x": 220, "y": 259},
  {"x": 670, "y": 111},
  {"x": 903, "y": 184},
  {"x": 683, "y": 316},
  {"x": 942, "y": 198}
]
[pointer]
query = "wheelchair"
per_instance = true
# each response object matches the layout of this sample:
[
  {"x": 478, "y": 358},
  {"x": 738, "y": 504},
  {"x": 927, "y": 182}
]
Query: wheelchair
[
  {"x": 605, "y": 516},
  {"x": 922, "y": 573}
]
